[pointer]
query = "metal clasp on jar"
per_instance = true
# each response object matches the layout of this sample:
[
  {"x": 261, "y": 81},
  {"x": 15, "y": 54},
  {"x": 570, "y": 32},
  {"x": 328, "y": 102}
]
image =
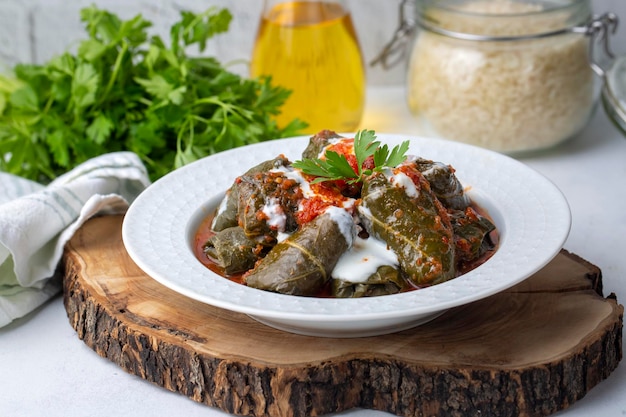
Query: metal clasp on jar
[
  {"x": 395, "y": 50},
  {"x": 599, "y": 29}
]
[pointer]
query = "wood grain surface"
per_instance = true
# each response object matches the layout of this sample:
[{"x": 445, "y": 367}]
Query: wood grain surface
[{"x": 529, "y": 351}]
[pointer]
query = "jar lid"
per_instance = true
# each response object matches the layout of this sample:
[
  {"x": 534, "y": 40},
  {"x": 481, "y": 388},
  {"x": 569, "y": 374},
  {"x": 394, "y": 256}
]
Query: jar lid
[{"x": 614, "y": 93}]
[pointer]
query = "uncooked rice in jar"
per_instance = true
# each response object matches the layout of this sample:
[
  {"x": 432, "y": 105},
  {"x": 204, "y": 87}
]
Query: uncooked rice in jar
[{"x": 506, "y": 96}]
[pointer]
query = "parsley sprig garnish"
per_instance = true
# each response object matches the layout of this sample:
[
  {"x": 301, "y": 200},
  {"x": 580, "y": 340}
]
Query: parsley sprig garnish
[{"x": 335, "y": 166}]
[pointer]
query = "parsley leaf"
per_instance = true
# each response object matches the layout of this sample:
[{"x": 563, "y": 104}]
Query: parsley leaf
[
  {"x": 335, "y": 166},
  {"x": 365, "y": 146}
]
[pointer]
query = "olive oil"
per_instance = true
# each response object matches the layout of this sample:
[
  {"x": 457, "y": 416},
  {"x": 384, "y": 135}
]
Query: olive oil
[{"x": 311, "y": 48}]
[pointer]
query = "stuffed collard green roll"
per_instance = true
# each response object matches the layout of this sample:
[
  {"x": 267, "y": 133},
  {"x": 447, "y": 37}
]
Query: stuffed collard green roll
[
  {"x": 232, "y": 250},
  {"x": 302, "y": 263},
  {"x": 268, "y": 202},
  {"x": 228, "y": 213},
  {"x": 472, "y": 237},
  {"x": 399, "y": 207},
  {"x": 386, "y": 280},
  {"x": 444, "y": 183},
  {"x": 318, "y": 142}
]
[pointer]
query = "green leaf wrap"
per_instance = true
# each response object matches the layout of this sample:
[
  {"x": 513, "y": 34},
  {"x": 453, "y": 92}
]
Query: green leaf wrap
[
  {"x": 318, "y": 142},
  {"x": 386, "y": 280},
  {"x": 227, "y": 214},
  {"x": 302, "y": 263},
  {"x": 471, "y": 234},
  {"x": 252, "y": 196},
  {"x": 417, "y": 229},
  {"x": 444, "y": 183},
  {"x": 232, "y": 250}
]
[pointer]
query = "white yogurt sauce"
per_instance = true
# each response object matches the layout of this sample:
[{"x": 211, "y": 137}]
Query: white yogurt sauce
[
  {"x": 363, "y": 259},
  {"x": 282, "y": 236},
  {"x": 331, "y": 142},
  {"x": 221, "y": 209},
  {"x": 401, "y": 180},
  {"x": 276, "y": 217},
  {"x": 345, "y": 222}
]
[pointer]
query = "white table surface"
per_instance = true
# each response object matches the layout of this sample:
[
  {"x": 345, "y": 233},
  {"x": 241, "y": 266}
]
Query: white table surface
[{"x": 46, "y": 370}]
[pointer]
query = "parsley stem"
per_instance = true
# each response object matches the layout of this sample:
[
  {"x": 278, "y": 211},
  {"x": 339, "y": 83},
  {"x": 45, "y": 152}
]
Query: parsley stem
[
  {"x": 184, "y": 128},
  {"x": 48, "y": 105},
  {"x": 227, "y": 107},
  {"x": 199, "y": 118},
  {"x": 210, "y": 100},
  {"x": 145, "y": 101},
  {"x": 115, "y": 72}
]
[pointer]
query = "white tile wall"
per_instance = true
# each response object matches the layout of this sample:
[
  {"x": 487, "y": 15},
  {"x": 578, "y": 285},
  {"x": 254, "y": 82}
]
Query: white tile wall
[
  {"x": 15, "y": 44},
  {"x": 36, "y": 30}
]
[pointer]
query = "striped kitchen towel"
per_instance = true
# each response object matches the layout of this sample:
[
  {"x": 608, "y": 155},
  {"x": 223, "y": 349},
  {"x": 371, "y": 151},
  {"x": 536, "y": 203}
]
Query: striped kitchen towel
[{"x": 36, "y": 221}]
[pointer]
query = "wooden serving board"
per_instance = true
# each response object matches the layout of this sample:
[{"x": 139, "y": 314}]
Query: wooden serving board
[{"x": 529, "y": 351}]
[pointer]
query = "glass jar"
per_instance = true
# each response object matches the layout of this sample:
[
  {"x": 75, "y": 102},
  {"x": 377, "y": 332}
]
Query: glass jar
[
  {"x": 614, "y": 93},
  {"x": 508, "y": 75},
  {"x": 311, "y": 48}
]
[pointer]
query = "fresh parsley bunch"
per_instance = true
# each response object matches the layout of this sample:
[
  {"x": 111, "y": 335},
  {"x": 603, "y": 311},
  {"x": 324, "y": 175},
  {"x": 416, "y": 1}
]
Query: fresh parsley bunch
[{"x": 126, "y": 90}]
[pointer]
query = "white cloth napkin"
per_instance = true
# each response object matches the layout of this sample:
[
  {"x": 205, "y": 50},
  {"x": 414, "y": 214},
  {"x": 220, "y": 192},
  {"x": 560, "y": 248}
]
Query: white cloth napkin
[{"x": 36, "y": 221}]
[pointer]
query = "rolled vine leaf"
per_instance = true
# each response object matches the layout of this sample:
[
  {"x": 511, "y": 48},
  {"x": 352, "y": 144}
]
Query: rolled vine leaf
[
  {"x": 302, "y": 264},
  {"x": 471, "y": 234},
  {"x": 386, "y": 280},
  {"x": 227, "y": 214},
  {"x": 413, "y": 223},
  {"x": 233, "y": 251},
  {"x": 444, "y": 183}
]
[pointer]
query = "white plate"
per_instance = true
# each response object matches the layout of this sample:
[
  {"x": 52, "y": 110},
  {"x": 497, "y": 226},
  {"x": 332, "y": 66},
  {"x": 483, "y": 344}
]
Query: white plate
[{"x": 531, "y": 214}]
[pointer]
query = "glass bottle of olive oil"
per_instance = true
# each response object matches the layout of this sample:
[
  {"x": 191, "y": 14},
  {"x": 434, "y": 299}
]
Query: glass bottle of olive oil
[{"x": 311, "y": 48}]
